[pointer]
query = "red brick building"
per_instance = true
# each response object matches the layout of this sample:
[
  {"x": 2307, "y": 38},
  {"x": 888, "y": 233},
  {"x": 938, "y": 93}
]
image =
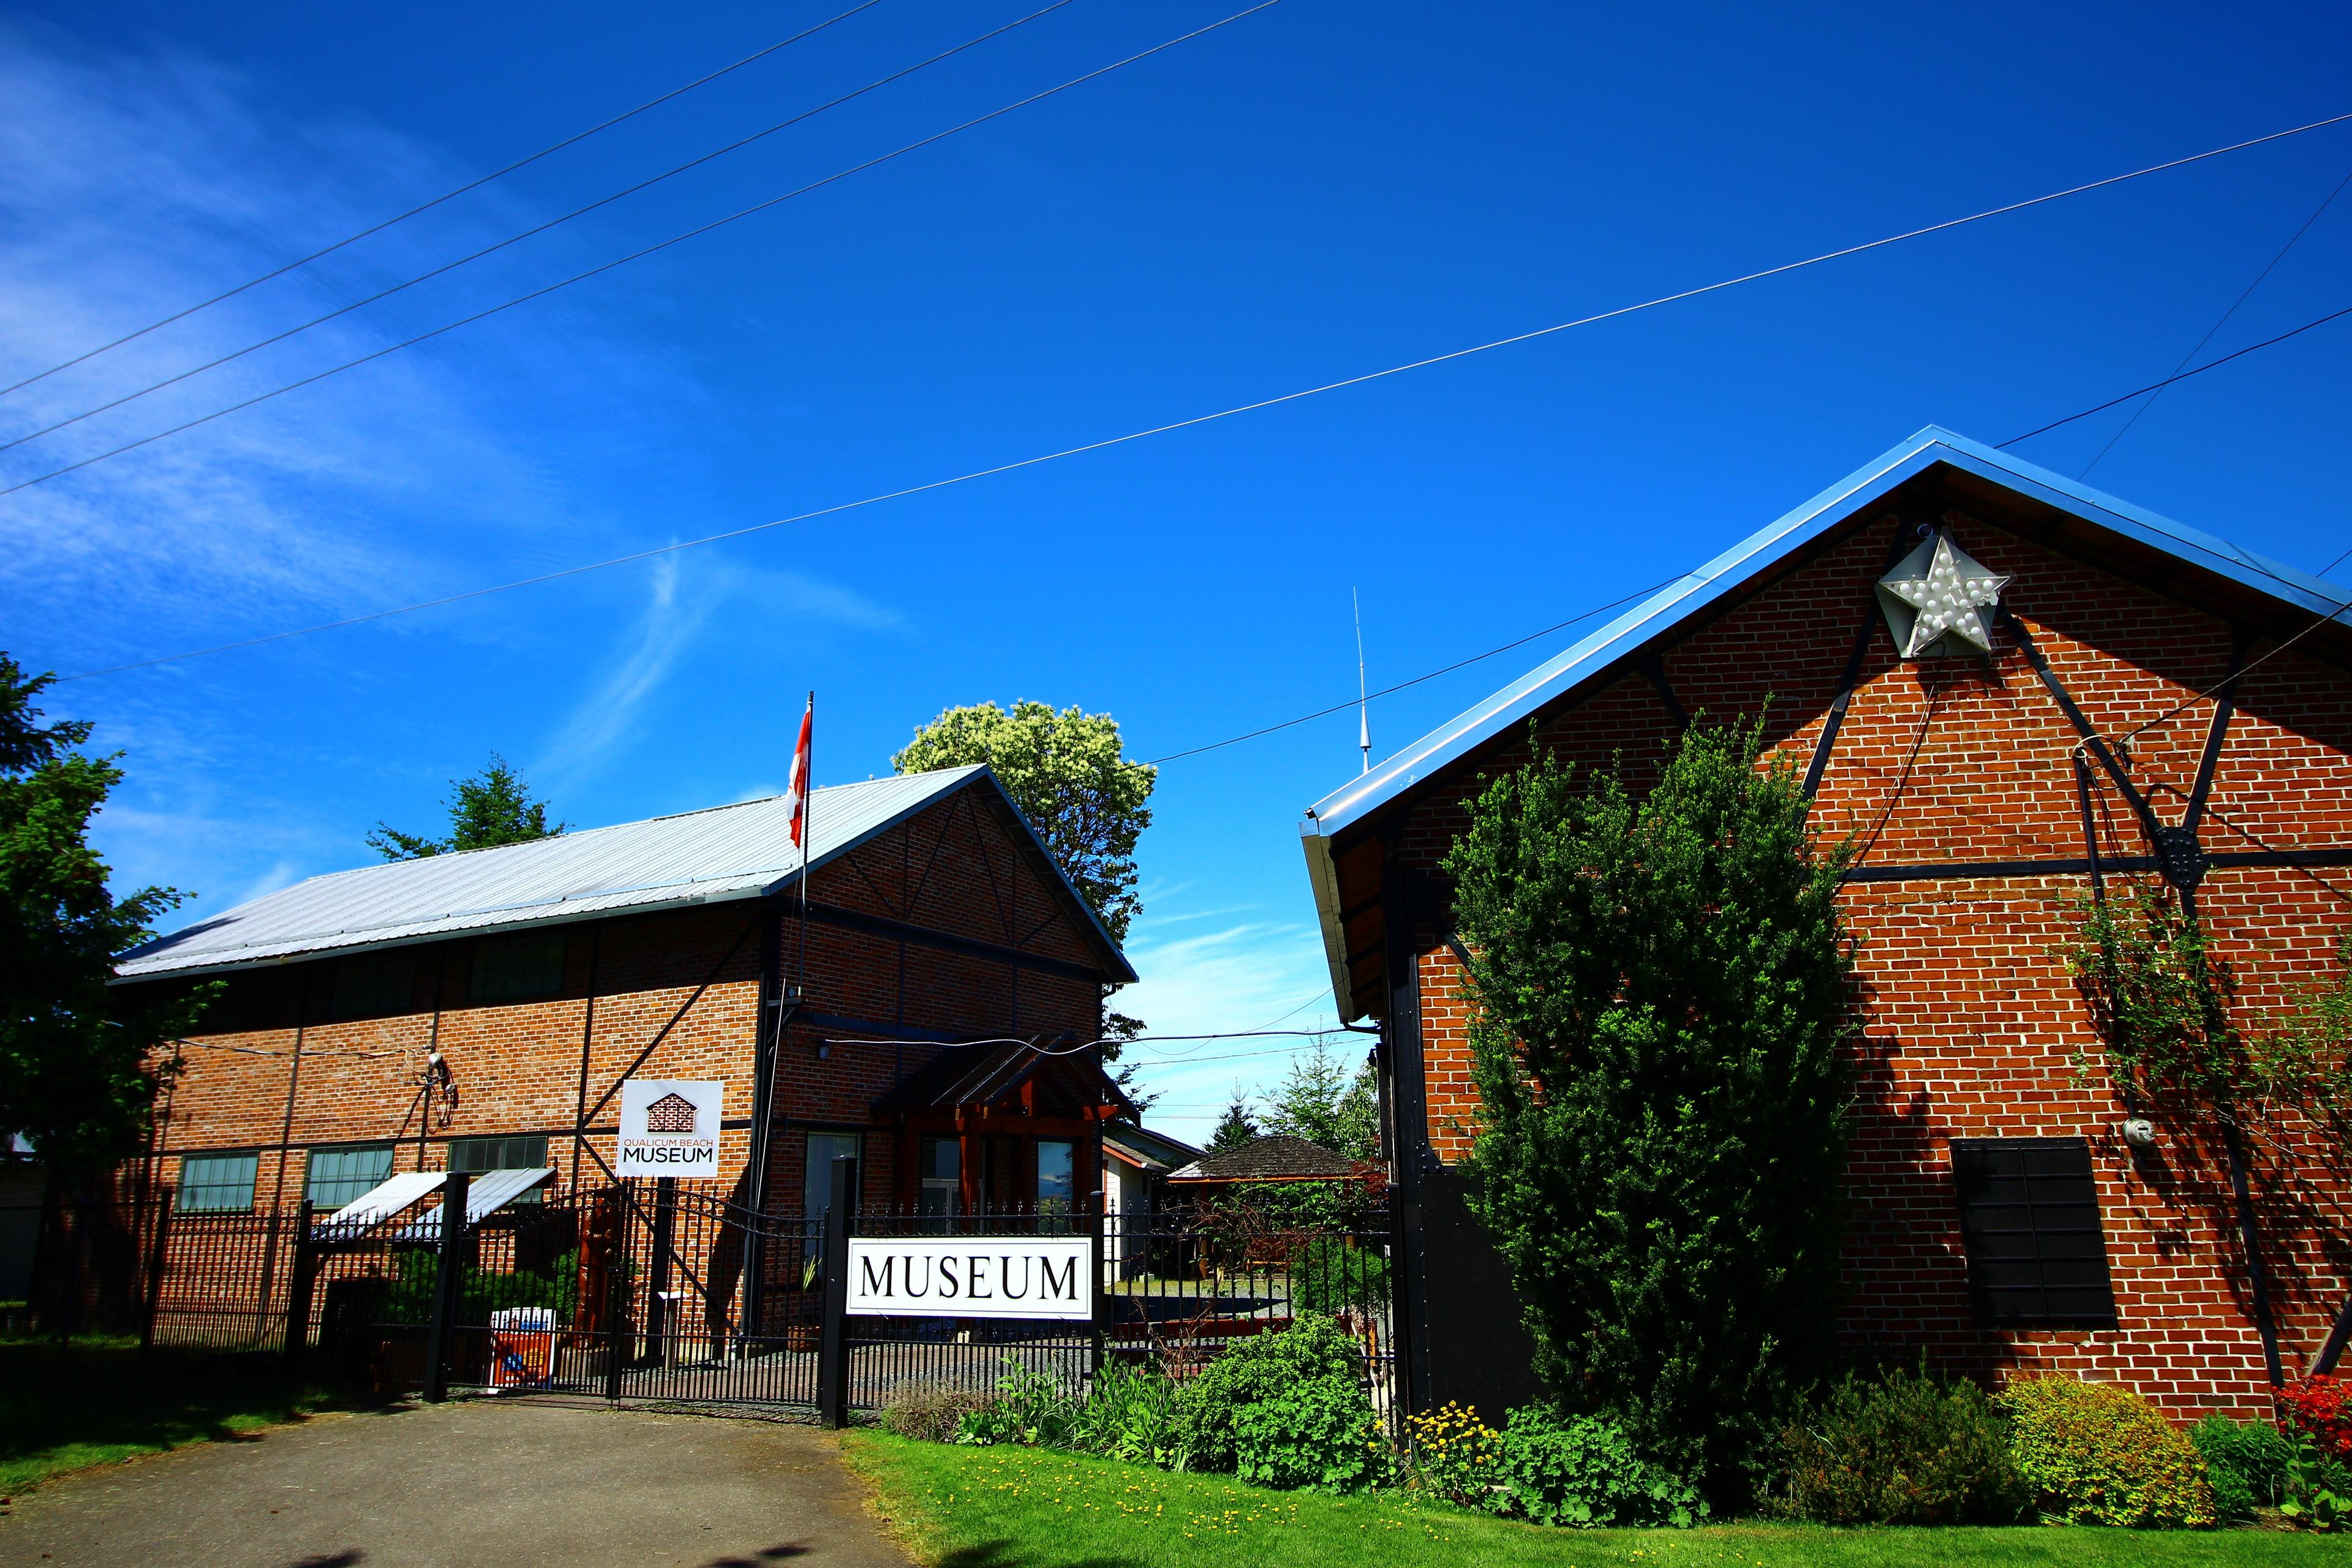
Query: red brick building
[
  {"x": 479, "y": 1011},
  {"x": 2000, "y": 1218}
]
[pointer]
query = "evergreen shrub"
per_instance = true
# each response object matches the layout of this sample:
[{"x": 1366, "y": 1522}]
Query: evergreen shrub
[
  {"x": 2244, "y": 1464},
  {"x": 2096, "y": 1454},
  {"x": 1907, "y": 1449},
  {"x": 1662, "y": 999}
]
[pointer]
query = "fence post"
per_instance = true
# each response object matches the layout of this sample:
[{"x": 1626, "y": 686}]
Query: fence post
[
  {"x": 155, "y": 1266},
  {"x": 446, "y": 1282},
  {"x": 301, "y": 1285},
  {"x": 617, "y": 1288},
  {"x": 1101, "y": 1285},
  {"x": 833, "y": 1342}
]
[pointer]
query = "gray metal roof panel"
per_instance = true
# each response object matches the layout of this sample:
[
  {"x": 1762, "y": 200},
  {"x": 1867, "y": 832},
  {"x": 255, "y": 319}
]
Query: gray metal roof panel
[
  {"x": 1700, "y": 590},
  {"x": 697, "y": 856}
]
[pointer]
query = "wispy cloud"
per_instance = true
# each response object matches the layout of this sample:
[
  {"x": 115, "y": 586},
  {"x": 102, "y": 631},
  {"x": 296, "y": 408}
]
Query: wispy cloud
[
  {"x": 684, "y": 598},
  {"x": 134, "y": 182}
]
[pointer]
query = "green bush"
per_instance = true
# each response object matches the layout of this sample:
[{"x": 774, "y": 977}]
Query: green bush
[
  {"x": 2246, "y": 1464},
  {"x": 1663, "y": 1007},
  {"x": 1582, "y": 1471},
  {"x": 1907, "y": 1448},
  {"x": 2093, "y": 1454},
  {"x": 1331, "y": 1273},
  {"x": 1317, "y": 1418}
]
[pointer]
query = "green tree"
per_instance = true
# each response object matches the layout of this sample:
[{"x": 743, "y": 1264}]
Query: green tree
[
  {"x": 1068, "y": 774},
  {"x": 1236, "y": 1127},
  {"x": 1662, "y": 1002},
  {"x": 77, "y": 1074},
  {"x": 492, "y": 808},
  {"x": 1321, "y": 1102}
]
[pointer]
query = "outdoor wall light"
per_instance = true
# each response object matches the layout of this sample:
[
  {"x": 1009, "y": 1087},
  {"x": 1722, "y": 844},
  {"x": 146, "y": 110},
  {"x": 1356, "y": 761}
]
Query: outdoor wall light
[{"x": 2139, "y": 1132}]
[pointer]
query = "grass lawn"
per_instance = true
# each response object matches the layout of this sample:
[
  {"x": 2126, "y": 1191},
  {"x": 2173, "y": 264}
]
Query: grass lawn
[
  {"x": 1029, "y": 1508},
  {"x": 65, "y": 1407}
]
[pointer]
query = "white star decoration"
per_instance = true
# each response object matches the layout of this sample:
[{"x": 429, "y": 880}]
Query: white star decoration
[{"x": 1937, "y": 598}]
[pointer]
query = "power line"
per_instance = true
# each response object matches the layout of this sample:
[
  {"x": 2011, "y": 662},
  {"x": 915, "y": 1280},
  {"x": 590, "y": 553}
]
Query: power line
[
  {"x": 2158, "y": 385},
  {"x": 1416, "y": 680},
  {"x": 2199, "y": 346},
  {"x": 445, "y": 196},
  {"x": 635, "y": 255},
  {"x": 1187, "y": 423},
  {"x": 536, "y": 229}
]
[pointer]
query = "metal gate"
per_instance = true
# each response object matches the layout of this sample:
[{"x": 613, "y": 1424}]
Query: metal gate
[{"x": 654, "y": 1292}]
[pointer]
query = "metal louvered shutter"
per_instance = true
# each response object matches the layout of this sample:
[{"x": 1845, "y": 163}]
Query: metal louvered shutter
[{"x": 2029, "y": 1220}]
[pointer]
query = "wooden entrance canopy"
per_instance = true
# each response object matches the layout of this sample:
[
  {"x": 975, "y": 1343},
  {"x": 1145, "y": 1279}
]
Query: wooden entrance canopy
[{"x": 1011, "y": 1090}]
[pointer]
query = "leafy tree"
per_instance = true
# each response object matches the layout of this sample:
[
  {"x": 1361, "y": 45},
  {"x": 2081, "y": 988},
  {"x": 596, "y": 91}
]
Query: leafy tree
[
  {"x": 492, "y": 808},
  {"x": 1662, "y": 997},
  {"x": 1321, "y": 1102},
  {"x": 75, "y": 1053},
  {"x": 1067, "y": 773},
  {"x": 1236, "y": 1127}
]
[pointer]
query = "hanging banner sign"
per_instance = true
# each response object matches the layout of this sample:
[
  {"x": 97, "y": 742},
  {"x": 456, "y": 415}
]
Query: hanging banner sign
[
  {"x": 972, "y": 1276},
  {"x": 669, "y": 1127}
]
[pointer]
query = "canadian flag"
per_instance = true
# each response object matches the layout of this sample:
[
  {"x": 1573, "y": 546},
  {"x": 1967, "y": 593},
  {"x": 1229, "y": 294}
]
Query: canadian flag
[{"x": 796, "y": 796}]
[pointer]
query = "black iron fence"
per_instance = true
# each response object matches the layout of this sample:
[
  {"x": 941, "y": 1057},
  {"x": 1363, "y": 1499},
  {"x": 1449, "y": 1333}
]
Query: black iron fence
[{"x": 659, "y": 1291}]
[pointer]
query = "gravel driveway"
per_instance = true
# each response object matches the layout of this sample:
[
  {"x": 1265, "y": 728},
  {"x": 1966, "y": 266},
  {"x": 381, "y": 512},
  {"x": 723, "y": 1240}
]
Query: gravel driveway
[{"x": 501, "y": 1485}]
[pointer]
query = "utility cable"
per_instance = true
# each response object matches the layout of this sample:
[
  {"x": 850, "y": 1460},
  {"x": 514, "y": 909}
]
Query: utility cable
[
  {"x": 386, "y": 293},
  {"x": 2199, "y": 346},
  {"x": 1177, "y": 424},
  {"x": 1416, "y": 680},
  {"x": 599, "y": 270},
  {"x": 445, "y": 196},
  {"x": 2156, "y": 385}
]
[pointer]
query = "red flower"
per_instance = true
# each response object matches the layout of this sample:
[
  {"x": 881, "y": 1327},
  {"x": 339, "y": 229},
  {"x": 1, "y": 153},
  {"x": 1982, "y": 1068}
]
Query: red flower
[{"x": 2322, "y": 1406}]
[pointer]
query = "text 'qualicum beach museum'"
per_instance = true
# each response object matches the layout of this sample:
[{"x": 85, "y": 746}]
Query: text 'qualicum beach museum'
[{"x": 1953, "y": 644}]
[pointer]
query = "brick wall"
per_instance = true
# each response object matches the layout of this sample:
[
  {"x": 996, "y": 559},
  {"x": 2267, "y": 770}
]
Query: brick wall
[
  {"x": 953, "y": 868},
  {"x": 1972, "y": 1027}
]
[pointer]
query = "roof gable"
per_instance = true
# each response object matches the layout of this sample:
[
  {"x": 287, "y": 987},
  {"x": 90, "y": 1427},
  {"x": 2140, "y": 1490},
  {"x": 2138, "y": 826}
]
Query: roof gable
[
  {"x": 714, "y": 856},
  {"x": 1703, "y": 592}
]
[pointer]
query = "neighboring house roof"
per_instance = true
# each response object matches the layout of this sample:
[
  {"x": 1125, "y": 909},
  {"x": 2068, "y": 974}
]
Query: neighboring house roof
[
  {"x": 1154, "y": 1153},
  {"x": 714, "y": 856},
  {"x": 1277, "y": 1157},
  {"x": 2095, "y": 518},
  {"x": 1059, "y": 1082}
]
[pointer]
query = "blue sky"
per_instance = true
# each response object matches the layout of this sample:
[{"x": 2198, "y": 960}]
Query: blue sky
[{"x": 1313, "y": 191}]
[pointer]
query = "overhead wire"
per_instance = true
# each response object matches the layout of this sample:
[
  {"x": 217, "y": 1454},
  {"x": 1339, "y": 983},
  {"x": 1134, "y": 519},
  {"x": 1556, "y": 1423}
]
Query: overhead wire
[
  {"x": 2199, "y": 346},
  {"x": 638, "y": 255},
  {"x": 1173, "y": 425},
  {"x": 536, "y": 229},
  {"x": 473, "y": 185}
]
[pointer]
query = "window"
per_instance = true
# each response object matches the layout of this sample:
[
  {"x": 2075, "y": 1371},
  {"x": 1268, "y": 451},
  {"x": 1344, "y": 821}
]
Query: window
[
  {"x": 941, "y": 1170},
  {"x": 1056, "y": 1188},
  {"x": 816, "y": 1182},
  {"x": 372, "y": 984},
  {"x": 2029, "y": 1220},
  {"x": 218, "y": 1183},
  {"x": 334, "y": 1177},
  {"x": 522, "y": 1152},
  {"x": 516, "y": 967}
]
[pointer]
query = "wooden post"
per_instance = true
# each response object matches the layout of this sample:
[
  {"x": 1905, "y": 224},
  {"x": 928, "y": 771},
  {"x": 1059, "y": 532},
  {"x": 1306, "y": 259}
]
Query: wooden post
[
  {"x": 658, "y": 1314},
  {"x": 617, "y": 1288},
  {"x": 156, "y": 1263},
  {"x": 447, "y": 1285},
  {"x": 832, "y": 1342}
]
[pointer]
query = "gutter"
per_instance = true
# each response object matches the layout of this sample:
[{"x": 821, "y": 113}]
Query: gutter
[{"x": 1325, "y": 878}]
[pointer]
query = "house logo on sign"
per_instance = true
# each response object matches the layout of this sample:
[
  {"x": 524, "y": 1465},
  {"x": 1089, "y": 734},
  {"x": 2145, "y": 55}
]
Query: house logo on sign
[{"x": 669, "y": 1127}]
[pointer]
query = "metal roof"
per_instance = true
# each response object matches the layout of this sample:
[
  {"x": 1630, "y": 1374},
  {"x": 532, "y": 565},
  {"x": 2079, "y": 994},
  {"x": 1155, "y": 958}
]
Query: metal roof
[
  {"x": 1699, "y": 591},
  {"x": 484, "y": 1196},
  {"x": 722, "y": 853}
]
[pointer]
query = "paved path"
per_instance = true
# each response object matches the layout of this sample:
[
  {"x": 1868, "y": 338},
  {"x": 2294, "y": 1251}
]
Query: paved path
[{"x": 467, "y": 1483}]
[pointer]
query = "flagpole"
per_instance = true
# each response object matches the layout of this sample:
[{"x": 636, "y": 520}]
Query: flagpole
[{"x": 808, "y": 846}]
